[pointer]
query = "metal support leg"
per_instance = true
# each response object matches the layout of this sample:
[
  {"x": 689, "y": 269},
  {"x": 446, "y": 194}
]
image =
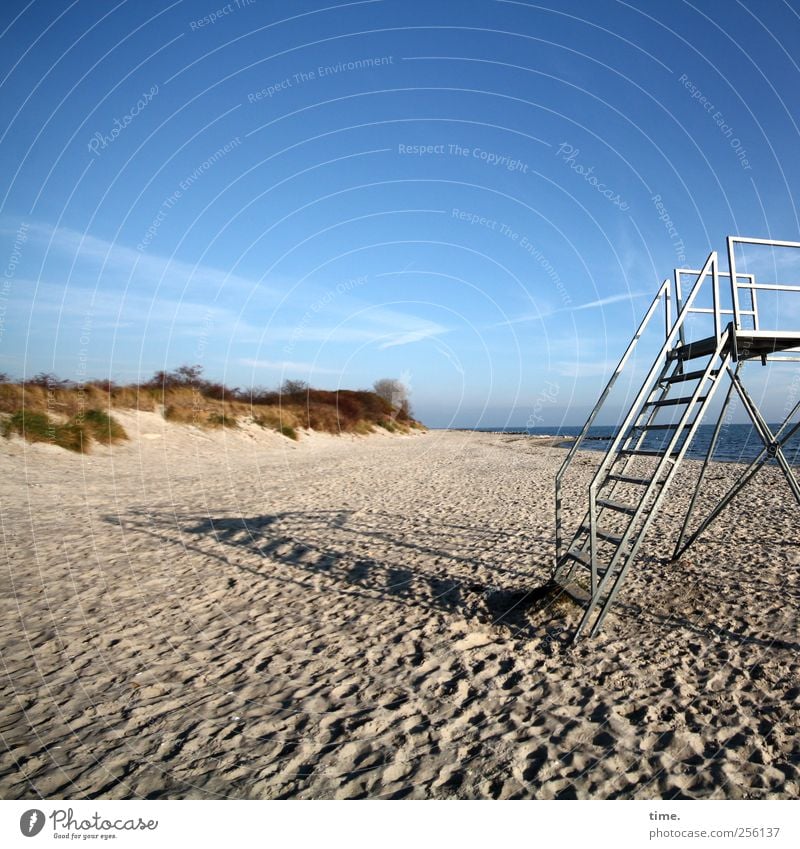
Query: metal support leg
[
  {"x": 770, "y": 440},
  {"x": 709, "y": 455},
  {"x": 743, "y": 479},
  {"x": 614, "y": 583}
]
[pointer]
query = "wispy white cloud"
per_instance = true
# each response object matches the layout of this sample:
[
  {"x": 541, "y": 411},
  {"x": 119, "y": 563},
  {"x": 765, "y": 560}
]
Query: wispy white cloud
[
  {"x": 389, "y": 328},
  {"x": 590, "y": 305},
  {"x": 130, "y": 313},
  {"x": 363, "y": 324},
  {"x": 300, "y": 333},
  {"x": 522, "y": 319},
  {"x": 419, "y": 334},
  {"x": 287, "y": 365},
  {"x": 120, "y": 264},
  {"x": 611, "y": 299}
]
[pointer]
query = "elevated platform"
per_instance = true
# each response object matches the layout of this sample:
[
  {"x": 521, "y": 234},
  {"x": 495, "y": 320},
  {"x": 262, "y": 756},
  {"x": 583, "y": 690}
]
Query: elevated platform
[
  {"x": 745, "y": 345},
  {"x": 634, "y": 477}
]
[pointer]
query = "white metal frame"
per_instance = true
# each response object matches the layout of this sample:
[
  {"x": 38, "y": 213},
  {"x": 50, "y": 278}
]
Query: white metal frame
[{"x": 725, "y": 358}]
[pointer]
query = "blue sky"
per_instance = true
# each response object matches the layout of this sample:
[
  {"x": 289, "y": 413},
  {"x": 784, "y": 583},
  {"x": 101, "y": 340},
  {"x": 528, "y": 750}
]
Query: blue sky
[{"x": 468, "y": 195}]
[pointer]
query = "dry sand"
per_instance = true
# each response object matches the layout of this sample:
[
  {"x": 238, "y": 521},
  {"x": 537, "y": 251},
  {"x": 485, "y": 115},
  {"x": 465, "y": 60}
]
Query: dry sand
[{"x": 234, "y": 615}]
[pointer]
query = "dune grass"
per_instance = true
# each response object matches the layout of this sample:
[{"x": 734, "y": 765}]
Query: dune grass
[
  {"x": 73, "y": 416},
  {"x": 221, "y": 420},
  {"x": 103, "y": 428},
  {"x": 76, "y": 434}
]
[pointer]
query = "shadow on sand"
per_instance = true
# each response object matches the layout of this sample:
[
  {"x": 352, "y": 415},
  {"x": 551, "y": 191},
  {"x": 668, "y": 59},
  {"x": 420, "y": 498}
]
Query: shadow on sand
[
  {"x": 459, "y": 570},
  {"x": 324, "y": 545}
]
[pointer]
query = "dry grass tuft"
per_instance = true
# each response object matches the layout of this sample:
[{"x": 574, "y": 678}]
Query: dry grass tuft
[
  {"x": 221, "y": 420},
  {"x": 73, "y": 415}
]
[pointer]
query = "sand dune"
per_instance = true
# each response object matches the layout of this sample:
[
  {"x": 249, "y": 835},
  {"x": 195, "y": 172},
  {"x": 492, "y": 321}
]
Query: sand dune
[{"x": 235, "y": 615}]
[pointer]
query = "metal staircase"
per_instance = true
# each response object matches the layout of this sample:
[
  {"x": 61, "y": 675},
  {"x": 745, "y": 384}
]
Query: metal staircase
[{"x": 643, "y": 458}]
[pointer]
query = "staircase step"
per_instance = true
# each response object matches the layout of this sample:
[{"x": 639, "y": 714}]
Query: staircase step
[
  {"x": 630, "y": 509},
  {"x": 689, "y": 375},
  {"x": 661, "y": 427},
  {"x": 646, "y": 452},
  {"x": 583, "y": 557},
  {"x": 672, "y": 402},
  {"x": 602, "y": 533},
  {"x": 693, "y": 350},
  {"x": 629, "y": 479}
]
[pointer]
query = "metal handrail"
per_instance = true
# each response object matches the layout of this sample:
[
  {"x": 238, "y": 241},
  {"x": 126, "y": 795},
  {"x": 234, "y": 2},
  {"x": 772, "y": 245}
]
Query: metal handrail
[
  {"x": 710, "y": 265},
  {"x": 673, "y": 331},
  {"x": 722, "y": 350},
  {"x": 717, "y": 311},
  {"x": 663, "y": 293}
]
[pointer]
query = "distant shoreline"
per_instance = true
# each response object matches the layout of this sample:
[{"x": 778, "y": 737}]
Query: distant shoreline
[{"x": 738, "y": 443}]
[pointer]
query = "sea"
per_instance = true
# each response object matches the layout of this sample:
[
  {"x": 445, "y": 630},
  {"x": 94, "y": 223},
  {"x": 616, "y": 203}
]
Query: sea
[{"x": 737, "y": 443}]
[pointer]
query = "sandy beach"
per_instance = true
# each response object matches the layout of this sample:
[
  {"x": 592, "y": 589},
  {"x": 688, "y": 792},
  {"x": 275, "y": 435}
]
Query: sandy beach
[{"x": 236, "y": 615}]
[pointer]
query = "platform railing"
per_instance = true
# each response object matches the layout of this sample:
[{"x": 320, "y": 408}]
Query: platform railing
[
  {"x": 752, "y": 286},
  {"x": 717, "y": 310}
]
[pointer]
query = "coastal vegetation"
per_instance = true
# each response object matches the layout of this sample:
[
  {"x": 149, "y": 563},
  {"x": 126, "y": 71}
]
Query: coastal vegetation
[{"x": 75, "y": 415}]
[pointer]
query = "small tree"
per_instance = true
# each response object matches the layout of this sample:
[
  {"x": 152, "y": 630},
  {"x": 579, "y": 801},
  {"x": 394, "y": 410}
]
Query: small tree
[
  {"x": 396, "y": 393},
  {"x": 46, "y": 379},
  {"x": 182, "y": 376},
  {"x": 189, "y": 375},
  {"x": 294, "y": 387},
  {"x": 260, "y": 395}
]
